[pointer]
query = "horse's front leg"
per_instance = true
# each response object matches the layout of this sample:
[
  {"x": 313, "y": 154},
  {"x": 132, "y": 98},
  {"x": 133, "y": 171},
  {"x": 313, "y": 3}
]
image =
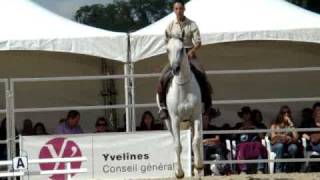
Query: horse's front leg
[
  {"x": 196, "y": 145},
  {"x": 169, "y": 127},
  {"x": 176, "y": 135}
]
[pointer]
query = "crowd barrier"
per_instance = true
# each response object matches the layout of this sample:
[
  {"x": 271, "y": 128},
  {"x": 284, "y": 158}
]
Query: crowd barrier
[{"x": 130, "y": 105}]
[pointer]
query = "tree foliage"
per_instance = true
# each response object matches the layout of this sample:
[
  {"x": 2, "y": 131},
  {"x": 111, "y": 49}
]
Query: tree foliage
[
  {"x": 131, "y": 15},
  {"x": 313, "y": 5},
  {"x": 124, "y": 16}
]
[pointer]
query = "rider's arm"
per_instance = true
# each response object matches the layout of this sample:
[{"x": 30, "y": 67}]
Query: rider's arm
[{"x": 196, "y": 38}]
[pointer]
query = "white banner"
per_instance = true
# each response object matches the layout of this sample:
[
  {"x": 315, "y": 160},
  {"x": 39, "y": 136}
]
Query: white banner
[{"x": 110, "y": 155}]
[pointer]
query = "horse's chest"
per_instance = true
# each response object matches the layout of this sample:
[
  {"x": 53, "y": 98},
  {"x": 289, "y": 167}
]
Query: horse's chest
[{"x": 183, "y": 104}]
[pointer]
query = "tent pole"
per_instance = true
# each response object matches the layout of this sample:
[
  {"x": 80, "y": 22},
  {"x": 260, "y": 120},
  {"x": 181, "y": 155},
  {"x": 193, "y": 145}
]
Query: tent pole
[
  {"x": 133, "y": 95},
  {"x": 127, "y": 98},
  {"x": 132, "y": 87},
  {"x": 130, "y": 124},
  {"x": 8, "y": 120}
]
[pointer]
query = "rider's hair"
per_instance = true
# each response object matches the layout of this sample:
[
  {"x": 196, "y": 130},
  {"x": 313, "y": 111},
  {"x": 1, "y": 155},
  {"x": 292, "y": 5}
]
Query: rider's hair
[{"x": 178, "y": 1}]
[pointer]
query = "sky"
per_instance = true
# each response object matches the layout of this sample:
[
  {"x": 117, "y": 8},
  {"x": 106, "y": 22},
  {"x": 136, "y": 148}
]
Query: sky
[{"x": 67, "y": 8}]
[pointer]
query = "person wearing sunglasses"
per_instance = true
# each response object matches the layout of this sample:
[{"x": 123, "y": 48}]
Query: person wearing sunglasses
[
  {"x": 101, "y": 125},
  {"x": 284, "y": 142}
]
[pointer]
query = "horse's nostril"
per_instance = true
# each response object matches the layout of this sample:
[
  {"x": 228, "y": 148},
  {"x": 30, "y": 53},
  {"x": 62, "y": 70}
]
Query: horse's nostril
[{"x": 176, "y": 70}]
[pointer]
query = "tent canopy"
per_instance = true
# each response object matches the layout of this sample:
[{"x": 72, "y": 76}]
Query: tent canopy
[
  {"x": 27, "y": 26},
  {"x": 230, "y": 20}
]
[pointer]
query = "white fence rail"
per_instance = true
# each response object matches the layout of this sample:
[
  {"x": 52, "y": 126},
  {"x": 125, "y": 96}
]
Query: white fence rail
[
  {"x": 10, "y": 109},
  {"x": 68, "y": 171}
]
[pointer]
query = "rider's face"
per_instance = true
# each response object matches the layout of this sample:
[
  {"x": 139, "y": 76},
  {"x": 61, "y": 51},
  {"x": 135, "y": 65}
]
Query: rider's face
[{"x": 179, "y": 9}]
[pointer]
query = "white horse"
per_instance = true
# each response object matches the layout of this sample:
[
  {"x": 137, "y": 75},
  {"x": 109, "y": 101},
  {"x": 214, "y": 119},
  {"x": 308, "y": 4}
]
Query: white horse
[{"x": 183, "y": 103}]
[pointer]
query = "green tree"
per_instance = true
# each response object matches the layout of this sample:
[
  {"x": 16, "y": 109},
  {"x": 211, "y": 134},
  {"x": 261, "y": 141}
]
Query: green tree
[
  {"x": 313, "y": 5},
  {"x": 124, "y": 16}
]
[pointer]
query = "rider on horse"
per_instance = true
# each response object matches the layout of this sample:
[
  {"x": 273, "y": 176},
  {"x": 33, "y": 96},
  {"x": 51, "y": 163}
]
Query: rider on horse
[{"x": 192, "y": 42}]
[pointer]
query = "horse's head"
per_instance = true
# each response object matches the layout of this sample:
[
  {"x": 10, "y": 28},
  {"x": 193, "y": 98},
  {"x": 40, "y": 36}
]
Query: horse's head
[{"x": 176, "y": 53}]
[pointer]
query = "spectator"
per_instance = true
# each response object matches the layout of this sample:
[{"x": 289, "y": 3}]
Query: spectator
[
  {"x": 147, "y": 122},
  {"x": 27, "y": 128},
  {"x": 101, "y": 125},
  {"x": 284, "y": 141},
  {"x": 39, "y": 129},
  {"x": 314, "y": 137},
  {"x": 257, "y": 119},
  {"x": 71, "y": 125},
  {"x": 214, "y": 147},
  {"x": 307, "y": 120},
  {"x": 250, "y": 146},
  {"x": 227, "y": 126}
]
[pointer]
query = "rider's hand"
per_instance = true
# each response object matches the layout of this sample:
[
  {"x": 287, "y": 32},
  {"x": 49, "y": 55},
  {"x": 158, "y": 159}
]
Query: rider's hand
[{"x": 191, "y": 54}]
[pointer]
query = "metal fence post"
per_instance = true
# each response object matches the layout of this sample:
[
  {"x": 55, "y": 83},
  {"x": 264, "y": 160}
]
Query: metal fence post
[{"x": 69, "y": 175}]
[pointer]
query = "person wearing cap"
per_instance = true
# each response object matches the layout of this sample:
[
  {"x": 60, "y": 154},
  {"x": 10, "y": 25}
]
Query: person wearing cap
[
  {"x": 249, "y": 144},
  {"x": 183, "y": 27}
]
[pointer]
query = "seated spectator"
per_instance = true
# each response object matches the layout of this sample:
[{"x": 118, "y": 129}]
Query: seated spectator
[
  {"x": 27, "y": 129},
  {"x": 101, "y": 125},
  {"x": 249, "y": 145},
  {"x": 314, "y": 137},
  {"x": 147, "y": 122},
  {"x": 283, "y": 142},
  {"x": 214, "y": 147},
  {"x": 71, "y": 125},
  {"x": 307, "y": 120},
  {"x": 257, "y": 119},
  {"x": 39, "y": 129}
]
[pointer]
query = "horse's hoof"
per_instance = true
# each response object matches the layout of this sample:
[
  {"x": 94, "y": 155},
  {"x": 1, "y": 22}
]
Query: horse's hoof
[
  {"x": 198, "y": 172},
  {"x": 199, "y": 167},
  {"x": 180, "y": 174}
]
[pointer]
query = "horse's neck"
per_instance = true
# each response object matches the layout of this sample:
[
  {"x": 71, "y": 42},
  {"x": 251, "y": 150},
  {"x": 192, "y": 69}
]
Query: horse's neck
[{"x": 185, "y": 72}]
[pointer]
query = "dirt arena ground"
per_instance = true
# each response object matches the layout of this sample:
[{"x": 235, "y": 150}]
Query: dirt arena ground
[{"x": 291, "y": 176}]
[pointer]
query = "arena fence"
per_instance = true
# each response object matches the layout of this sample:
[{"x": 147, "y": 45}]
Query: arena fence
[
  {"x": 130, "y": 105},
  {"x": 68, "y": 171}
]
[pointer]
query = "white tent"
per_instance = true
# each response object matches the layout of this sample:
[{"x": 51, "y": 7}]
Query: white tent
[
  {"x": 239, "y": 37},
  {"x": 35, "y": 42},
  {"x": 27, "y": 26},
  {"x": 234, "y": 20}
]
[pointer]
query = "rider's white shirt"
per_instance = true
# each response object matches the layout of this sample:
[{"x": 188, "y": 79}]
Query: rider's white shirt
[{"x": 190, "y": 28}]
